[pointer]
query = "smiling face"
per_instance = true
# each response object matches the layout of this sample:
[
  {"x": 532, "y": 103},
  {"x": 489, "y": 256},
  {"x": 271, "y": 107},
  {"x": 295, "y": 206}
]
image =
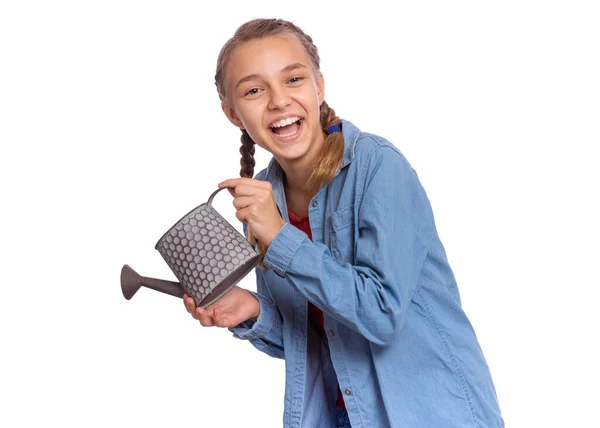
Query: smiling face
[{"x": 274, "y": 92}]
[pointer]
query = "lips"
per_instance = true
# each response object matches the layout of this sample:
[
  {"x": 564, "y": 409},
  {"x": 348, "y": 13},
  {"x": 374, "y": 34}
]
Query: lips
[{"x": 286, "y": 132}]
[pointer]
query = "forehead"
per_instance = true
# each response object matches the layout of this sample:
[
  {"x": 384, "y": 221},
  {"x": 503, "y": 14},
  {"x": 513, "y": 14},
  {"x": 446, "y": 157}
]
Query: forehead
[{"x": 266, "y": 56}]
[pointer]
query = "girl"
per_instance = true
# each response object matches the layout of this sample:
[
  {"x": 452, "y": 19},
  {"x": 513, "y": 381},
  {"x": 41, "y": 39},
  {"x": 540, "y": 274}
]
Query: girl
[{"x": 354, "y": 291}]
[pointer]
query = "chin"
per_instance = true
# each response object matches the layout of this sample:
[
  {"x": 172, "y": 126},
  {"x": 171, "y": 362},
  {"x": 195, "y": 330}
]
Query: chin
[{"x": 290, "y": 154}]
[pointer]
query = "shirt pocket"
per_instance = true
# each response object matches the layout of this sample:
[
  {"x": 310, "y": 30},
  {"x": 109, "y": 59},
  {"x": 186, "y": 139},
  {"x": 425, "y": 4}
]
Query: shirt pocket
[{"x": 342, "y": 234}]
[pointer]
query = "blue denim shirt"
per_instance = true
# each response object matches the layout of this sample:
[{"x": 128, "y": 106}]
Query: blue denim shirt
[{"x": 397, "y": 340}]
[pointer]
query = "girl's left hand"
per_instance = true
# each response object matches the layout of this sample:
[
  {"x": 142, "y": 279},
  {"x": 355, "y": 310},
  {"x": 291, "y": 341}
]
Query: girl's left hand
[{"x": 255, "y": 204}]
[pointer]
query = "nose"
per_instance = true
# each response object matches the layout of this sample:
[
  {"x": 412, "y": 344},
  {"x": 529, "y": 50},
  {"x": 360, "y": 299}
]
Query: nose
[{"x": 280, "y": 99}]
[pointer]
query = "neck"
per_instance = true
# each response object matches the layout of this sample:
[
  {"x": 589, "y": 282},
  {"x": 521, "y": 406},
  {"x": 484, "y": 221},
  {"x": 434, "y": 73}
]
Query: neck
[
  {"x": 298, "y": 171},
  {"x": 297, "y": 196},
  {"x": 296, "y": 178}
]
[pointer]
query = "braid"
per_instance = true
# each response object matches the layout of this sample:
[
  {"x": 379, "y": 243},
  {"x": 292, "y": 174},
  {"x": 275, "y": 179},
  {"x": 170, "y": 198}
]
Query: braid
[
  {"x": 247, "y": 162},
  {"x": 332, "y": 153},
  {"x": 247, "y": 151},
  {"x": 328, "y": 117}
]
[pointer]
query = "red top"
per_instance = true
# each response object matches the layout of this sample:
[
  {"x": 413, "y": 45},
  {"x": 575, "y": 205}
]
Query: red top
[{"x": 314, "y": 314}]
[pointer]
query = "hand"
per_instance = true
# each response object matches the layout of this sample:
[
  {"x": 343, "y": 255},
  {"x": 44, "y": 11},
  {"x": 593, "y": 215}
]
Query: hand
[
  {"x": 255, "y": 204},
  {"x": 235, "y": 306}
]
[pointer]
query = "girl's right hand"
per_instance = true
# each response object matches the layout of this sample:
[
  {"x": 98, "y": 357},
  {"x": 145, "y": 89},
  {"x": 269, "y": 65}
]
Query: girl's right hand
[{"x": 234, "y": 307}]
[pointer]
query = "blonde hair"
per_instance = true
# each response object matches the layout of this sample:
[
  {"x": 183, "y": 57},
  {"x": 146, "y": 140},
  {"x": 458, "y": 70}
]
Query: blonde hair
[{"x": 332, "y": 152}]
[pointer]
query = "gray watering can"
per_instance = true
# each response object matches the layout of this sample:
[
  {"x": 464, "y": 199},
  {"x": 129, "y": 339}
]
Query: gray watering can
[{"x": 205, "y": 252}]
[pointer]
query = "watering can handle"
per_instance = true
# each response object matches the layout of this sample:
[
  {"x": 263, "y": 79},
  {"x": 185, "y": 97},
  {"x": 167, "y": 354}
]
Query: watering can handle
[
  {"x": 209, "y": 203},
  {"x": 212, "y": 196}
]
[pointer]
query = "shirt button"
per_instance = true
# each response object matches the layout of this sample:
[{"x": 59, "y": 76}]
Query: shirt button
[
  {"x": 315, "y": 204},
  {"x": 347, "y": 392},
  {"x": 331, "y": 333}
]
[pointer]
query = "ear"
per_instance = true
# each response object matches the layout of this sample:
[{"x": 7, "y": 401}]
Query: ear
[
  {"x": 320, "y": 87},
  {"x": 231, "y": 114}
]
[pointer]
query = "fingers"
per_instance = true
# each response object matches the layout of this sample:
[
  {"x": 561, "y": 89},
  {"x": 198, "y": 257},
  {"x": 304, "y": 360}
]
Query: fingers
[
  {"x": 204, "y": 316},
  {"x": 247, "y": 190},
  {"x": 234, "y": 182},
  {"x": 242, "y": 202},
  {"x": 189, "y": 304},
  {"x": 210, "y": 317},
  {"x": 220, "y": 319},
  {"x": 245, "y": 214},
  {"x": 207, "y": 317},
  {"x": 251, "y": 203},
  {"x": 249, "y": 182}
]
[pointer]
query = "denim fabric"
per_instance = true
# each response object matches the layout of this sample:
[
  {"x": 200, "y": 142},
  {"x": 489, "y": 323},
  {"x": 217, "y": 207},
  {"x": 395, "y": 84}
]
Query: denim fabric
[{"x": 397, "y": 339}]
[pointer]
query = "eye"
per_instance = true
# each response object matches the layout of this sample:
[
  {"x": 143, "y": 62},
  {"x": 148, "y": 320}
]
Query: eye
[
  {"x": 252, "y": 91},
  {"x": 296, "y": 79}
]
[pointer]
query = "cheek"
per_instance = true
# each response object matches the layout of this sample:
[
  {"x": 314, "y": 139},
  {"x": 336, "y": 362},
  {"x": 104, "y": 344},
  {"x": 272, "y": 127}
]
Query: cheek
[
  {"x": 310, "y": 101},
  {"x": 249, "y": 117},
  {"x": 253, "y": 125}
]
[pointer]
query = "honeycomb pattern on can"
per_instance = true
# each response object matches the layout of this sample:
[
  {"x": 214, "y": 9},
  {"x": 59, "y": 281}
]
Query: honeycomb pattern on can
[{"x": 202, "y": 249}]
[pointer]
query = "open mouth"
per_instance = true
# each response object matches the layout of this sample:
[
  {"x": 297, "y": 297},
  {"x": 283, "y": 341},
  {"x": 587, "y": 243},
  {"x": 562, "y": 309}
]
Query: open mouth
[{"x": 286, "y": 128}]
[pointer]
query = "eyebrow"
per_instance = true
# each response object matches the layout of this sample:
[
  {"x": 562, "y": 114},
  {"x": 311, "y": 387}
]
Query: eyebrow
[{"x": 285, "y": 69}]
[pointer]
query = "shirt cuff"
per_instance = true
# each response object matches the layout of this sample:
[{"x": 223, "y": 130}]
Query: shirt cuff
[
  {"x": 283, "y": 248},
  {"x": 264, "y": 322}
]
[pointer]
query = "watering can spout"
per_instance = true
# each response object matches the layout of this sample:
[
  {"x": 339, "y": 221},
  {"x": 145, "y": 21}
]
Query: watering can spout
[{"x": 131, "y": 282}]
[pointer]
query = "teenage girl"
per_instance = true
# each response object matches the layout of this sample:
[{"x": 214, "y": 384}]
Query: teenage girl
[{"x": 354, "y": 291}]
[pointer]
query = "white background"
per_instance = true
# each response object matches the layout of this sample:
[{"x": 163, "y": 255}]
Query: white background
[{"x": 110, "y": 130}]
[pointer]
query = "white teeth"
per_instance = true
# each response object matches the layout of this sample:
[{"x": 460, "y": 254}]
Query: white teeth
[{"x": 284, "y": 122}]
